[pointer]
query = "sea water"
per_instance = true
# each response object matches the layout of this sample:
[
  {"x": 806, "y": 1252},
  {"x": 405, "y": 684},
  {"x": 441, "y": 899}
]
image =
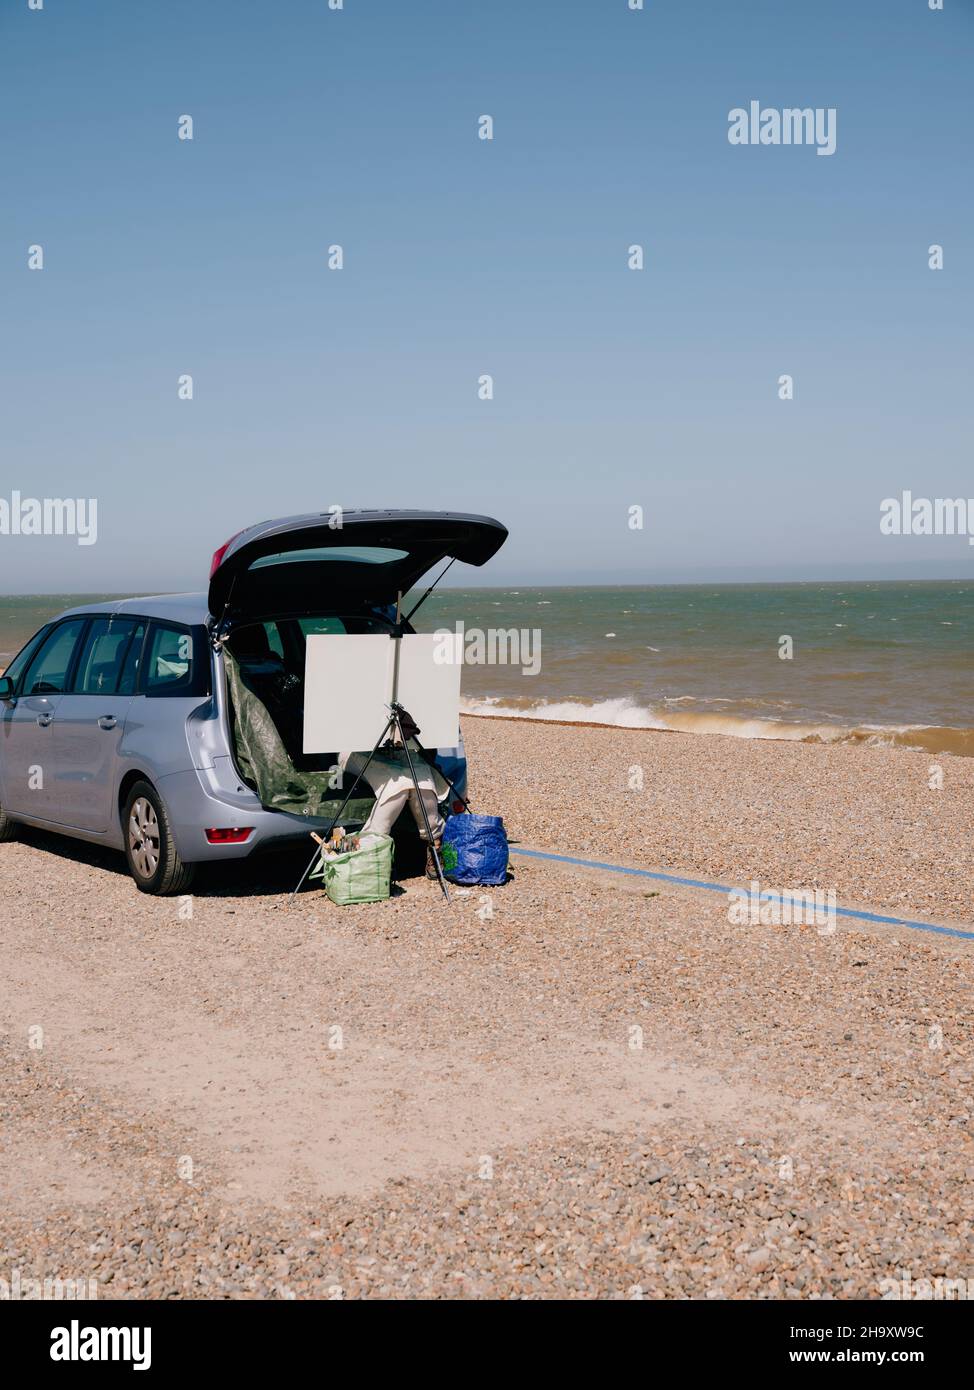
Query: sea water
[{"x": 881, "y": 663}]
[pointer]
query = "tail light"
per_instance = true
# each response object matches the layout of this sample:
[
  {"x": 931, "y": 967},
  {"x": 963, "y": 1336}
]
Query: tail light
[
  {"x": 457, "y": 807},
  {"x": 222, "y": 836},
  {"x": 218, "y": 555}
]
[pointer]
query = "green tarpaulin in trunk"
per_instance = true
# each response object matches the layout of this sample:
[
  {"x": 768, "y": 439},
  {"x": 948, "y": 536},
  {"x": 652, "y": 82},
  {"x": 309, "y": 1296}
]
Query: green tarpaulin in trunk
[{"x": 264, "y": 761}]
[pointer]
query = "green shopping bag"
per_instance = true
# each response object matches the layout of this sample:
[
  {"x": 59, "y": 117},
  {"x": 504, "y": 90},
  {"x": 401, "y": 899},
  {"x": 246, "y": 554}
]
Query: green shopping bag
[{"x": 361, "y": 875}]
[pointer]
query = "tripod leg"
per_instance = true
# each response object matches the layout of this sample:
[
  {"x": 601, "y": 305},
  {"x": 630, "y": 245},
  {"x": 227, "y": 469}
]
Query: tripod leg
[
  {"x": 348, "y": 796},
  {"x": 300, "y": 882},
  {"x": 426, "y": 820}
]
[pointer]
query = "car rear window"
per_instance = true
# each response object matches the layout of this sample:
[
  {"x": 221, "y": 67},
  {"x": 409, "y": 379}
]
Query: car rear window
[
  {"x": 274, "y": 640},
  {"x": 349, "y": 554}
]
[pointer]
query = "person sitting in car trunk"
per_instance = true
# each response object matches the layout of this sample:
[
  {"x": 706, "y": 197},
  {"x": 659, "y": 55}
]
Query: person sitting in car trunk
[{"x": 388, "y": 774}]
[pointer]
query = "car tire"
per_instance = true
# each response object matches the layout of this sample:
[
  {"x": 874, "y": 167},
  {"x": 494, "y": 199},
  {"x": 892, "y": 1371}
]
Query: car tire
[
  {"x": 150, "y": 846},
  {"x": 8, "y": 827}
]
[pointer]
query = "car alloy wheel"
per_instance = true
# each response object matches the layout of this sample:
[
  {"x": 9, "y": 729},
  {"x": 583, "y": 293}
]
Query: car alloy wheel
[{"x": 144, "y": 837}]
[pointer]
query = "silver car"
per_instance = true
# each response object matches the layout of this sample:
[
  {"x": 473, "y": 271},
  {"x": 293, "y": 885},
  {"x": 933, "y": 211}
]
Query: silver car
[{"x": 169, "y": 727}]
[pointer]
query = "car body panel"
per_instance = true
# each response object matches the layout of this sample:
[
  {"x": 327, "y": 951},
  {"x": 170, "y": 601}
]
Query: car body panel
[
  {"x": 158, "y": 728},
  {"x": 27, "y": 754},
  {"x": 88, "y": 730}
]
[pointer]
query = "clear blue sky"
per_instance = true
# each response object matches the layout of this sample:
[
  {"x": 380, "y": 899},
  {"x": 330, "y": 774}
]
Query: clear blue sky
[{"x": 464, "y": 257}]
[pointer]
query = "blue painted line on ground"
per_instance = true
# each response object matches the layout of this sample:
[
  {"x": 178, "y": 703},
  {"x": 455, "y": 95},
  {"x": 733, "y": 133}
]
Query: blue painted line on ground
[{"x": 722, "y": 888}]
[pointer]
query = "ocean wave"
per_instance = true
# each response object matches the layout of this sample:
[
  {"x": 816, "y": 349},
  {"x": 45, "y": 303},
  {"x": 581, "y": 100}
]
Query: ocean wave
[
  {"x": 625, "y": 713},
  {"x": 622, "y": 713}
]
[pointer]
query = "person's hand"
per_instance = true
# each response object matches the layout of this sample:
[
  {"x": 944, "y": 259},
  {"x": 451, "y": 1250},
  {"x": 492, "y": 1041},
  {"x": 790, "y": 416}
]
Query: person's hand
[{"x": 410, "y": 729}]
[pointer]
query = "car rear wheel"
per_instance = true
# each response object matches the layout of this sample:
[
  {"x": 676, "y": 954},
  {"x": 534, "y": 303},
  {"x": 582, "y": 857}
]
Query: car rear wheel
[
  {"x": 150, "y": 848},
  {"x": 8, "y": 827}
]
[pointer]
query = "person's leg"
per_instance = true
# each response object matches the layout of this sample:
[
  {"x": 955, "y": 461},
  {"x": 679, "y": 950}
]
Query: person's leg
[
  {"x": 431, "y": 802},
  {"x": 391, "y": 788},
  {"x": 427, "y": 799},
  {"x": 390, "y": 798}
]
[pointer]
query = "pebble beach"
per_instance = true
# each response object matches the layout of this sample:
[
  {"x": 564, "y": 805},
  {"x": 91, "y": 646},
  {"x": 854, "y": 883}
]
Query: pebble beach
[{"x": 580, "y": 1085}]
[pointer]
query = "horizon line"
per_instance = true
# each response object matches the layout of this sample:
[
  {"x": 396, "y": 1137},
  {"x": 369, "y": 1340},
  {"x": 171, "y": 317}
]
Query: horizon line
[{"x": 524, "y": 584}]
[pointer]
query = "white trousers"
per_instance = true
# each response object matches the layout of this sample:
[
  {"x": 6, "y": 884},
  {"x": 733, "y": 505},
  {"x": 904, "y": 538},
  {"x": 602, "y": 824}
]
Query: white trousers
[{"x": 388, "y": 776}]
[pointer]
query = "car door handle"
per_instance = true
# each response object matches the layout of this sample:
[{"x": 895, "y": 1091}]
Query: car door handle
[
  {"x": 107, "y": 721},
  {"x": 44, "y": 719}
]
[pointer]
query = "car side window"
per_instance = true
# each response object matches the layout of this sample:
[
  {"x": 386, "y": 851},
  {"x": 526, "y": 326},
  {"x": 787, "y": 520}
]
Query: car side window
[
  {"x": 315, "y": 627},
  {"x": 170, "y": 662},
  {"x": 131, "y": 661},
  {"x": 100, "y": 664},
  {"x": 48, "y": 673},
  {"x": 274, "y": 639},
  {"x": 16, "y": 668}
]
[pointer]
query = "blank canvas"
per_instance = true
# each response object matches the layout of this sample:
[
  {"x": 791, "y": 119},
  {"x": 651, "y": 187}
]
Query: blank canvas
[
  {"x": 348, "y": 687},
  {"x": 346, "y": 691},
  {"x": 430, "y": 690}
]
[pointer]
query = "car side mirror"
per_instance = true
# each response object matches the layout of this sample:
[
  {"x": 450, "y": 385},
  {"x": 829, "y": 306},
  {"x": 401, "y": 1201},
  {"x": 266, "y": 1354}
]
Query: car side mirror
[{"x": 6, "y": 688}]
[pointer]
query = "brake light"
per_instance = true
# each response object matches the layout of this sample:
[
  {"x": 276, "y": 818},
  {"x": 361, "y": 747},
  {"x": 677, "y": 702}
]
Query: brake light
[
  {"x": 222, "y": 836},
  {"x": 218, "y": 555}
]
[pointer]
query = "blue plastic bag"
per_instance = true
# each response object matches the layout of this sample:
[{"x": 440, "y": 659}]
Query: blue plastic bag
[{"x": 475, "y": 850}]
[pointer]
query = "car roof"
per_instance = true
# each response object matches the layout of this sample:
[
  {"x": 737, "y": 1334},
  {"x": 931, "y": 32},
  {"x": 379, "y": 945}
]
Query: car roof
[{"x": 190, "y": 609}]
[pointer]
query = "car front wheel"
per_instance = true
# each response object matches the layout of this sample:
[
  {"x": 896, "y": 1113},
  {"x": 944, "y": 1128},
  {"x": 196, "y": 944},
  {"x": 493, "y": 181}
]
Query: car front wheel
[{"x": 150, "y": 848}]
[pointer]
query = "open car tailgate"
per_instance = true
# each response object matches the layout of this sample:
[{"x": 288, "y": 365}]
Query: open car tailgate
[{"x": 290, "y": 566}]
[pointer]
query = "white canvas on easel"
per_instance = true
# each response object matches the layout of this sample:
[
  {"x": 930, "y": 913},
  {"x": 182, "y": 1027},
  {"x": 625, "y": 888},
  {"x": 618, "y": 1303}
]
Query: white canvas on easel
[
  {"x": 348, "y": 685},
  {"x": 346, "y": 690},
  {"x": 430, "y": 689}
]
